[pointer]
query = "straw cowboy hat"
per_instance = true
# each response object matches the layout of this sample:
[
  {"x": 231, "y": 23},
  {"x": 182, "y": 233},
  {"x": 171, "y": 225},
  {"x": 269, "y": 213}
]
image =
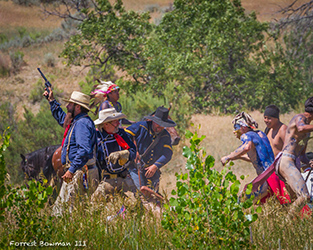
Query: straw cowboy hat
[
  {"x": 80, "y": 99},
  {"x": 108, "y": 115},
  {"x": 160, "y": 117}
]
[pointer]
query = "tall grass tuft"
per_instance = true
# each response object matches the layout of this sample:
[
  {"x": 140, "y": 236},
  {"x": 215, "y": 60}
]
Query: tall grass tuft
[
  {"x": 275, "y": 229},
  {"x": 90, "y": 225}
]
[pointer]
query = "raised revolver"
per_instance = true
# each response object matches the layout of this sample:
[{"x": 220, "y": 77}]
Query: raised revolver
[{"x": 47, "y": 83}]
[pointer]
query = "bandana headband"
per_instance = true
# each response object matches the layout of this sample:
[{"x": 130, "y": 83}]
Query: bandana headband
[
  {"x": 245, "y": 120},
  {"x": 98, "y": 91},
  {"x": 112, "y": 88}
]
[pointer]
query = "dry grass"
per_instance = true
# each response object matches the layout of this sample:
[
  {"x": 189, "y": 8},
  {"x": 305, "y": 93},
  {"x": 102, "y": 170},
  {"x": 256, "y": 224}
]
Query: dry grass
[
  {"x": 267, "y": 10},
  {"x": 13, "y": 16}
]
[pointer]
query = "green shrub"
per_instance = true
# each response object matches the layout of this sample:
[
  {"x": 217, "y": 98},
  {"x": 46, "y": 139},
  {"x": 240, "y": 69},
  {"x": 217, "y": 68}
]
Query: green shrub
[
  {"x": 36, "y": 92},
  {"x": 4, "y": 141},
  {"x": 3, "y": 38},
  {"x": 21, "y": 207},
  {"x": 22, "y": 31},
  {"x": 4, "y": 68},
  {"x": 205, "y": 213},
  {"x": 17, "y": 60},
  {"x": 27, "y": 2}
]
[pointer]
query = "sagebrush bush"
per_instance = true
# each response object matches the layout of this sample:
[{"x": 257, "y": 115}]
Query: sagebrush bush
[
  {"x": 17, "y": 61},
  {"x": 27, "y": 2},
  {"x": 25, "y": 38},
  {"x": 49, "y": 60}
]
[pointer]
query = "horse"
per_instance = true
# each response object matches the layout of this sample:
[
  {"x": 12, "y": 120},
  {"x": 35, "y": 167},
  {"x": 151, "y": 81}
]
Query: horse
[
  {"x": 56, "y": 162},
  {"x": 35, "y": 162}
]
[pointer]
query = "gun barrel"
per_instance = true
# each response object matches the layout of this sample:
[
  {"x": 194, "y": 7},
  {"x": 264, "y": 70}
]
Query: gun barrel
[
  {"x": 43, "y": 76},
  {"x": 47, "y": 83}
]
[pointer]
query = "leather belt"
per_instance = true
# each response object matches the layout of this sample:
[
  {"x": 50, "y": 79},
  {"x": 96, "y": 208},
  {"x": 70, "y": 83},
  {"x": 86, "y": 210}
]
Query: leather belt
[{"x": 108, "y": 175}]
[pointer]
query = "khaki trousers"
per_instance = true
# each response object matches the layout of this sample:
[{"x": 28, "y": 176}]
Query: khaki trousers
[{"x": 69, "y": 190}]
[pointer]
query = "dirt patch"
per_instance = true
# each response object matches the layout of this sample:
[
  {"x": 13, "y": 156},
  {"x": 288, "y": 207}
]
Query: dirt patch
[
  {"x": 13, "y": 16},
  {"x": 268, "y": 10}
]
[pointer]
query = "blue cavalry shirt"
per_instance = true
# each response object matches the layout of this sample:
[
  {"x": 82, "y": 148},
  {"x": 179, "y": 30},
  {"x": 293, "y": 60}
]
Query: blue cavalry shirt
[
  {"x": 83, "y": 138},
  {"x": 264, "y": 152},
  {"x": 107, "y": 144},
  {"x": 144, "y": 135}
]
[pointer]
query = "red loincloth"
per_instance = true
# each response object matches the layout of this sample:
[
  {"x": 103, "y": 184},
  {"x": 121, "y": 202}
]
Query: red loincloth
[
  {"x": 278, "y": 188},
  {"x": 276, "y": 185}
]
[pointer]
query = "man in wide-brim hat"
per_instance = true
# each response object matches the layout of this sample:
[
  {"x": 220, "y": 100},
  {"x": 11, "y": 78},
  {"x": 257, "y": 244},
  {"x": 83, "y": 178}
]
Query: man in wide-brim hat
[
  {"x": 151, "y": 159},
  {"x": 115, "y": 150},
  {"x": 78, "y": 155}
]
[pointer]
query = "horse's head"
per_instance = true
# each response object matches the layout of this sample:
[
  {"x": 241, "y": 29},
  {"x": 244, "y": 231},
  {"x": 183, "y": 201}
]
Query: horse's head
[{"x": 28, "y": 166}]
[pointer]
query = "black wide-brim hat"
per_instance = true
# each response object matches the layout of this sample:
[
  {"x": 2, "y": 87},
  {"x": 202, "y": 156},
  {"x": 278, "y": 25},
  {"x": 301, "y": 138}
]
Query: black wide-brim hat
[{"x": 160, "y": 117}]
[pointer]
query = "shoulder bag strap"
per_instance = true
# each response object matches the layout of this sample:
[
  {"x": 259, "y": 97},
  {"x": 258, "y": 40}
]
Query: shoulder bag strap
[{"x": 152, "y": 145}]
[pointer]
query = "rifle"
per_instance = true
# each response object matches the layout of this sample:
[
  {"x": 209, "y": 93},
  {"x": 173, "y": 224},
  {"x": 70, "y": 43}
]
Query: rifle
[{"x": 47, "y": 83}]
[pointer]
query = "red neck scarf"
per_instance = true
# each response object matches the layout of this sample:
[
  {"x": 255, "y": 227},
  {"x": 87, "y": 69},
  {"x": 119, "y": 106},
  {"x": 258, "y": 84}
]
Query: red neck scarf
[
  {"x": 65, "y": 132},
  {"x": 121, "y": 142}
]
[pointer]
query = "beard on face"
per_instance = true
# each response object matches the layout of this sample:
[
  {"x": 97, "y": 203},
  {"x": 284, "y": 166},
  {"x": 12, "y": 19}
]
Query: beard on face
[{"x": 68, "y": 119}]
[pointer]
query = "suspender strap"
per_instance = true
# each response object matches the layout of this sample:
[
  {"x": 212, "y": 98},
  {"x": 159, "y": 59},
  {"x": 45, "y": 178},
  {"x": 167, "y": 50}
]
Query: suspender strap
[
  {"x": 68, "y": 144},
  {"x": 152, "y": 145}
]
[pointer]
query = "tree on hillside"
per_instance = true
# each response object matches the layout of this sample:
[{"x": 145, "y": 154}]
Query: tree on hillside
[
  {"x": 295, "y": 31},
  {"x": 205, "y": 47},
  {"x": 211, "y": 51},
  {"x": 297, "y": 11},
  {"x": 110, "y": 35}
]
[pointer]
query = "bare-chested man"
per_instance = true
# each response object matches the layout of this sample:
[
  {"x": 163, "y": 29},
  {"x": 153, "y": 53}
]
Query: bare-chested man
[
  {"x": 255, "y": 144},
  {"x": 275, "y": 129},
  {"x": 297, "y": 136}
]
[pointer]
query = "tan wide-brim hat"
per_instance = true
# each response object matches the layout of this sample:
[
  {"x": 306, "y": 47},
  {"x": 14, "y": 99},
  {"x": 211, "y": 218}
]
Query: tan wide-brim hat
[
  {"x": 108, "y": 115},
  {"x": 80, "y": 99}
]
